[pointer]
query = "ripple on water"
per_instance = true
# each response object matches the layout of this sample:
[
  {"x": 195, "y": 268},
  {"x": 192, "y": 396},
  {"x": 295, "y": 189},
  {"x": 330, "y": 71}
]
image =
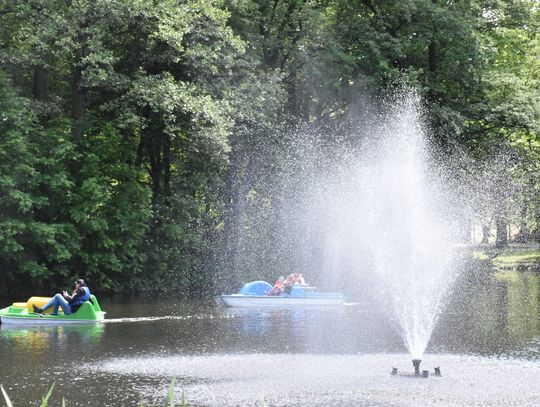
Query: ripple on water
[
  {"x": 313, "y": 380},
  {"x": 166, "y": 318}
]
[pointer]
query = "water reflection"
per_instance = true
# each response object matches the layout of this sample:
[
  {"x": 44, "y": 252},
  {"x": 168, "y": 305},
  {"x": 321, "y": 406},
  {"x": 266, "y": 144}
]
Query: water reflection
[
  {"x": 521, "y": 303},
  {"x": 493, "y": 313},
  {"x": 38, "y": 339},
  {"x": 303, "y": 330},
  {"x": 262, "y": 321}
]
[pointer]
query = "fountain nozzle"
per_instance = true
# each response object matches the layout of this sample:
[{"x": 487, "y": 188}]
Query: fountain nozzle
[{"x": 416, "y": 364}]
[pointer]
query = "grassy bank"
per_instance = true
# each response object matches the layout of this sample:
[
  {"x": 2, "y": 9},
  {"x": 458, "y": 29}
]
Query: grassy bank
[{"x": 514, "y": 257}]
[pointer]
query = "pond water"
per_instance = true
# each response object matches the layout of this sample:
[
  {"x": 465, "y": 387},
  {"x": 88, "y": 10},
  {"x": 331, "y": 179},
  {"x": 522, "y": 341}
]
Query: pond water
[{"x": 487, "y": 344}]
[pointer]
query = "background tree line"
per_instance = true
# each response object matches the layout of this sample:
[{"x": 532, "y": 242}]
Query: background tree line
[{"x": 141, "y": 141}]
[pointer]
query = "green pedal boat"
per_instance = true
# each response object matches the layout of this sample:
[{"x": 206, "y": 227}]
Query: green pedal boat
[{"x": 21, "y": 313}]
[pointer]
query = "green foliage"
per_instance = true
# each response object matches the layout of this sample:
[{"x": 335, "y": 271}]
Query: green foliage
[
  {"x": 45, "y": 399},
  {"x": 111, "y": 209},
  {"x": 141, "y": 142},
  {"x": 6, "y": 397},
  {"x": 126, "y": 192},
  {"x": 507, "y": 119},
  {"x": 169, "y": 400},
  {"x": 30, "y": 238}
]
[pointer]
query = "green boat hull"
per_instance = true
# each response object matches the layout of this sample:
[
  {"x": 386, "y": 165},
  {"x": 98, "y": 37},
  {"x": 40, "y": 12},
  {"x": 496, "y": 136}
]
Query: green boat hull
[{"x": 16, "y": 314}]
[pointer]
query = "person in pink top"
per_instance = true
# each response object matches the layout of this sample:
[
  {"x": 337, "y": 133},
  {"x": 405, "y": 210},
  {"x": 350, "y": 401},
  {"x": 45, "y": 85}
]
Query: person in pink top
[
  {"x": 278, "y": 286},
  {"x": 291, "y": 280}
]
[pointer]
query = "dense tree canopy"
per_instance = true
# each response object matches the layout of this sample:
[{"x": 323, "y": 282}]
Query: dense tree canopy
[{"x": 141, "y": 141}]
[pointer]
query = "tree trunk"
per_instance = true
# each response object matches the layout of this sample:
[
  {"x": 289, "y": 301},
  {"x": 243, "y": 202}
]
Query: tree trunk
[
  {"x": 155, "y": 150},
  {"x": 501, "y": 239},
  {"x": 40, "y": 91},
  {"x": 537, "y": 232},
  {"x": 166, "y": 165},
  {"x": 524, "y": 234},
  {"x": 154, "y": 155},
  {"x": 432, "y": 50},
  {"x": 78, "y": 90},
  {"x": 485, "y": 233},
  {"x": 78, "y": 103},
  {"x": 40, "y": 86},
  {"x": 432, "y": 57},
  {"x": 293, "y": 105}
]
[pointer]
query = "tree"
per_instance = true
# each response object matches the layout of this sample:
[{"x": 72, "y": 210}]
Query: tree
[
  {"x": 508, "y": 114},
  {"x": 36, "y": 244}
]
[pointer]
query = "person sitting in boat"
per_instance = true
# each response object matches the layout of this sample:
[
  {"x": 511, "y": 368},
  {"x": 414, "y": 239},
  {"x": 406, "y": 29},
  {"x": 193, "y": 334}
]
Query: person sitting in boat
[
  {"x": 291, "y": 280},
  {"x": 69, "y": 303},
  {"x": 278, "y": 286}
]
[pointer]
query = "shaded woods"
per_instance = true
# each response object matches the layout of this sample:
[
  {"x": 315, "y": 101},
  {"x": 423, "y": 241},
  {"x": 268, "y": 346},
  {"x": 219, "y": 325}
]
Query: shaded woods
[{"x": 141, "y": 142}]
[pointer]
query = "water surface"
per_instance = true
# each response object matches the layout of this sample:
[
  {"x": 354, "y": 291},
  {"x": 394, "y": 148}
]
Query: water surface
[{"x": 487, "y": 344}]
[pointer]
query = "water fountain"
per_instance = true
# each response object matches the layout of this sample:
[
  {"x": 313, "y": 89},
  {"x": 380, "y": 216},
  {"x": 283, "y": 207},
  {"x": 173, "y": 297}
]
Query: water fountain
[
  {"x": 413, "y": 246},
  {"x": 382, "y": 213}
]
